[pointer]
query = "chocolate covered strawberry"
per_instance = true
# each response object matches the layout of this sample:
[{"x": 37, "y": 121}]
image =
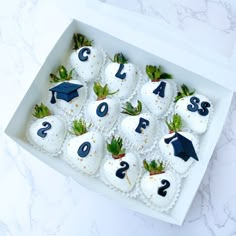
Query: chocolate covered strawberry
[
  {"x": 69, "y": 94},
  {"x": 194, "y": 109},
  {"x": 122, "y": 169},
  {"x": 85, "y": 149},
  {"x": 85, "y": 58},
  {"x": 47, "y": 131},
  {"x": 121, "y": 75},
  {"x": 139, "y": 128},
  {"x": 103, "y": 112},
  {"x": 179, "y": 147},
  {"x": 160, "y": 186},
  {"x": 158, "y": 93}
]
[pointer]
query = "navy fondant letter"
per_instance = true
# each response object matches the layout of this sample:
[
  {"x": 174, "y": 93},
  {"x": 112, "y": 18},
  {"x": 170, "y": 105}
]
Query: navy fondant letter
[
  {"x": 204, "y": 108},
  {"x": 143, "y": 123},
  {"x": 118, "y": 73},
  {"x": 81, "y": 55},
  {"x": 160, "y": 90},
  {"x": 194, "y": 104}
]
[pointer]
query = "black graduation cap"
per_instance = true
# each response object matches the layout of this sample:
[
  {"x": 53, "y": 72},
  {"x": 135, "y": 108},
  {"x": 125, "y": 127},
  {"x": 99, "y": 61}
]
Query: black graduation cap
[
  {"x": 183, "y": 147},
  {"x": 65, "y": 91}
]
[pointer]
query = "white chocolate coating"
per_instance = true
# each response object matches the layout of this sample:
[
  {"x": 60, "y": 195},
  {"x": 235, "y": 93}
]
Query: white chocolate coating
[
  {"x": 141, "y": 140},
  {"x": 156, "y": 104},
  {"x": 127, "y": 183},
  {"x": 74, "y": 106},
  {"x": 193, "y": 120},
  {"x": 90, "y": 69},
  {"x": 125, "y": 86},
  {"x": 151, "y": 183},
  {"x": 108, "y": 121},
  {"x": 89, "y": 164},
  {"x": 55, "y": 135},
  {"x": 167, "y": 151}
]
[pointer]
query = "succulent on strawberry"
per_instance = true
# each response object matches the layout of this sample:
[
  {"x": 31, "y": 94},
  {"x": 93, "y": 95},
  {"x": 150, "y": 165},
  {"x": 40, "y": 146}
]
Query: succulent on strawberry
[
  {"x": 41, "y": 111},
  {"x": 160, "y": 185},
  {"x": 138, "y": 128},
  {"x": 195, "y": 109},
  {"x": 122, "y": 170},
  {"x": 179, "y": 147},
  {"x": 63, "y": 75},
  {"x": 155, "y": 73},
  {"x": 68, "y": 93},
  {"x": 85, "y": 149},
  {"x": 122, "y": 75},
  {"x": 116, "y": 148},
  {"x": 154, "y": 167},
  {"x": 103, "y": 112},
  {"x": 157, "y": 94},
  {"x": 102, "y": 91},
  {"x": 129, "y": 109},
  {"x": 184, "y": 92},
  {"x": 48, "y": 131},
  {"x": 85, "y": 58},
  {"x": 175, "y": 125}
]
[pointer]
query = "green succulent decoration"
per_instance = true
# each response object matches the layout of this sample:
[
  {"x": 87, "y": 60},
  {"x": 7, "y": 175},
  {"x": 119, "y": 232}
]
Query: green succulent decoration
[
  {"x": 184, "y": 92},
  {"x": 120, "y": 58},
  {"x": 115, "y": 147},
  {"x": 154, "y": 167},
  {"x": 176, "y": 124},
  {"x": 129, "y": 109},
  {"x": 79, "y": 127},
  {"x": 80, "y": 41},
  {"x": 102, "y": 91},
  {"x": 41, "y": 111},
  {"x": 63, "y": 75},
  {"x": 155, "y": 74}
]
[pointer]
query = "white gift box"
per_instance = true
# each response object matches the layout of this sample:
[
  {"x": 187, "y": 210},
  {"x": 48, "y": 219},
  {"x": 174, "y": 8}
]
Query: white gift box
[{"x": 144, "y": 43}]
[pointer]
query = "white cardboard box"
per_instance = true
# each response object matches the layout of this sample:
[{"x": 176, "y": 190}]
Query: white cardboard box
[{"x": 141, "y": 49}]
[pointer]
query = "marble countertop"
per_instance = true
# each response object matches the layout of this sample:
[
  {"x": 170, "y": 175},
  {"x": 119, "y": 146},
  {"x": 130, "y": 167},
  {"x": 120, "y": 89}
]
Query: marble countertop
[{"x": 35, "y": 200}]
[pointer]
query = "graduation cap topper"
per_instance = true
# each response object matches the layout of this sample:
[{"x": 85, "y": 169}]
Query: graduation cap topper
[
  {"x": 65, "y": 91},
  {"x": 183, "y": 147}
]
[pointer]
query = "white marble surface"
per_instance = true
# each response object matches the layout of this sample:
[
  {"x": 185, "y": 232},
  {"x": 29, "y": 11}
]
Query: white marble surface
[{"x": 37, "y": 201}]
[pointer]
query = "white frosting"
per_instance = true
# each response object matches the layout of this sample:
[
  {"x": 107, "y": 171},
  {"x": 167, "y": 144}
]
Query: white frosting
[
  {"x": 141, "y": 140},
  {"x": 193, "y": 120},
  {"x": 125, "y": 86},
  {"x": 91, "y": 162},
  {"x": 151, "y": 183},
  {"x": 167, "y": 151},
  {"x": 108, "y": 121},
  {"x": 112, "y": 165},
  {"x": 87, "y": 70},
  {"x": 156, "y": 104},
  {"x": 74, "y": 106},
  {"x": 55, "y": 135}
]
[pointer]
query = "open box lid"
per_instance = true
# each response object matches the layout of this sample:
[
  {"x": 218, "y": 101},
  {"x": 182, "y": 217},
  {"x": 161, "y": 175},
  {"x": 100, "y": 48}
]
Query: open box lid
[{"x": 145, "y": 32}]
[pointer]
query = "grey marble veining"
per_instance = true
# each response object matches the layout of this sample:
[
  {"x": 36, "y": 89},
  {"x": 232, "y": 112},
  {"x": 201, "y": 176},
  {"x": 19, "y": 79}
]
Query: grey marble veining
[{"x": 37, "y": 201}]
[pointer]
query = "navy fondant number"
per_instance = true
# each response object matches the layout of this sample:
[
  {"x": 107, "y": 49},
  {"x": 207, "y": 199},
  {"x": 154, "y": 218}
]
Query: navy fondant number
[
  {"x": 42, "y": 132},
  {"x": 194, "y": 106},
  {"x": 84, "y": 149},
  {"x": 120, "y": 172},
  {"x": 160, "y": 90},
  {"x": 143, "y": 123},
  {"x": 81, "y": 55},
  {"x": 162, "y": 190},
  {"x": 118, "y": 73},
  {"x": 102, "y": 109}
]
